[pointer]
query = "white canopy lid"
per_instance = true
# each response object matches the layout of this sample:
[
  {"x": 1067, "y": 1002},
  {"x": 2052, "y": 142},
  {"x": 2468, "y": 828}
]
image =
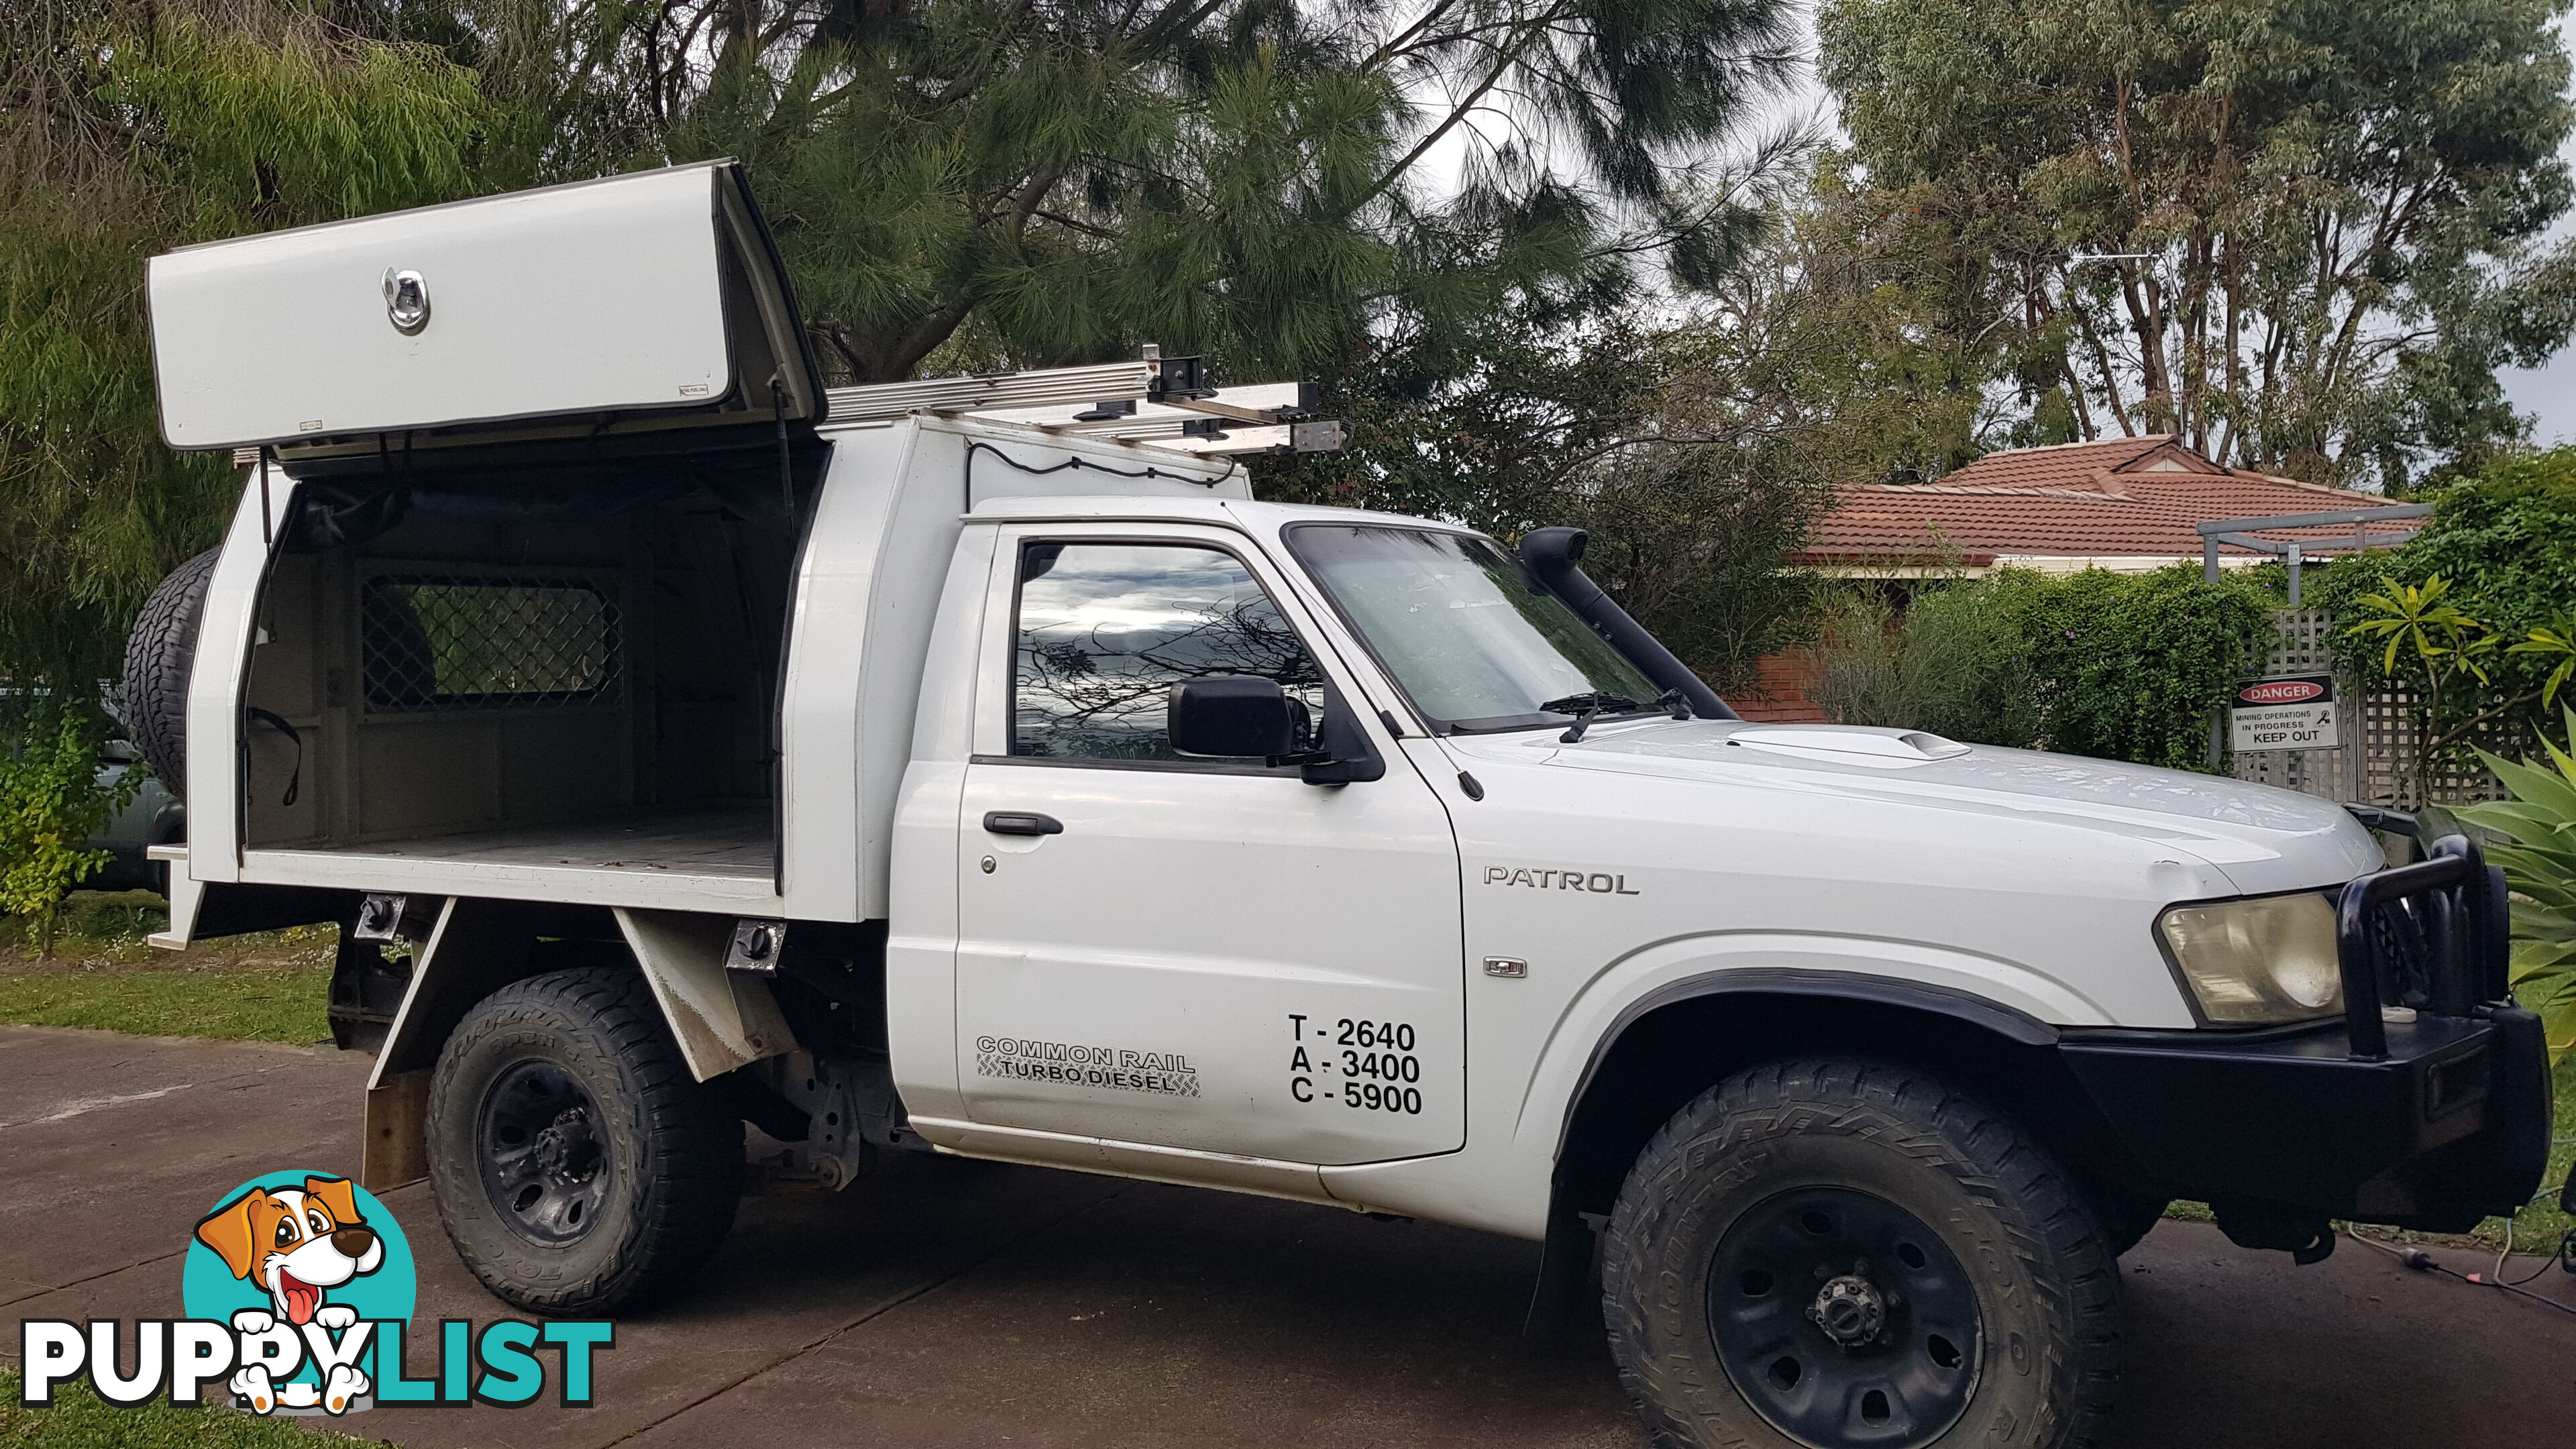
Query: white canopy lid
[{"x": 652, "y": 293}]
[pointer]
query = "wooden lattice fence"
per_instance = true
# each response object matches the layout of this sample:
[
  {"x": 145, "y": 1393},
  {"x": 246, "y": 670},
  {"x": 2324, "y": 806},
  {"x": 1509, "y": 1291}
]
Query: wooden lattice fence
[{"x": 2376, "y": 765}]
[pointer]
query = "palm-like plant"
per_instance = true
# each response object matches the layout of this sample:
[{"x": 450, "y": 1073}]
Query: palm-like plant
[
  {"x": 2539, "y": 863},
  {"x": 2441, "y": 641},
  {"x": 2557, "y": 639}
]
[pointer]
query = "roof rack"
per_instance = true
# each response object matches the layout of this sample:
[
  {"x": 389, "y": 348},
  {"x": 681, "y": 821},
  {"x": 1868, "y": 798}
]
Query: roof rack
[
  {"x": 989, "y": 390},
  {"x": 1161, "y": 401}
]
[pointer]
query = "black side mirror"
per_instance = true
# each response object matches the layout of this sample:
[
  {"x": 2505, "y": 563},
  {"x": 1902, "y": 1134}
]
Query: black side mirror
[
  {"x": 1343, "y": 754},
  {"x": 1232, "y": 716}
]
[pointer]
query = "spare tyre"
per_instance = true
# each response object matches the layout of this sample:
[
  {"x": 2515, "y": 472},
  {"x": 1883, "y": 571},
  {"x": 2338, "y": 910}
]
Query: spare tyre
[{"x": 158, "y": 656}]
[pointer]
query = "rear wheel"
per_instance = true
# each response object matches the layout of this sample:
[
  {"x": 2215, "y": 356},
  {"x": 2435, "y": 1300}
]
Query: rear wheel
[
  {"x": 1833, "y": 1252},
  {"x": 578, "y": 1167}
]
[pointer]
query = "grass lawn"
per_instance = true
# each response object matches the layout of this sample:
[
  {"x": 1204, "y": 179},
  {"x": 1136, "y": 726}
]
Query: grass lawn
[
  {"x": 78, "y": 1420},
  {"x": 273, "y": 986},
  {"x": 241, "y": 1005}
]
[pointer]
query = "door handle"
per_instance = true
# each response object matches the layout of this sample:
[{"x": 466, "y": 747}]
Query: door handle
[{"x": 1021, "y": 822}]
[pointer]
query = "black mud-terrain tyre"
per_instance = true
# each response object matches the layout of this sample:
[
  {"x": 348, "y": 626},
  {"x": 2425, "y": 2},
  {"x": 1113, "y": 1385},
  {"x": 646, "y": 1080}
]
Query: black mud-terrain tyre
[
  {"x": 577, "y": 1165},
  {"x": 159, "y": 655},
  {"x": 1828, "y": 1252}
]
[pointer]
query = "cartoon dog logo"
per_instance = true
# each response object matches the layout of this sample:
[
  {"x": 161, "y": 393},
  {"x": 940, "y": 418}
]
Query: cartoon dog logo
[{"x": 296, "y": 1244}]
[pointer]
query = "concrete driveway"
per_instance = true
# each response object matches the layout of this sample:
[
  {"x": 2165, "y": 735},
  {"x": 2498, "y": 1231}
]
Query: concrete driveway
[{"x": 957, "y": 1303}]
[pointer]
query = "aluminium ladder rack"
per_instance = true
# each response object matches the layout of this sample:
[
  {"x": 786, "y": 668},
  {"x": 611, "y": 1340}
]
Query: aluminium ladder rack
[
  {"x": 1151, "y": 401},
  {"x": 1158, "y": 401}
]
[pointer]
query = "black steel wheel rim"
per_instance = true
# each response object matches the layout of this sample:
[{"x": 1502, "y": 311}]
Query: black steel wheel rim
[
  {"x": 1842, "y": 1319},
  {"x": 542, "y": 1148}
]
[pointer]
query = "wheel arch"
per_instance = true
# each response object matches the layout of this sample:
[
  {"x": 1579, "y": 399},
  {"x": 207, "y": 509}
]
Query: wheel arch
[
  {"x": 475, "y": 948},
  {"x": 1677, "y": 1041},
  {"x": 719, "y": 1020}
]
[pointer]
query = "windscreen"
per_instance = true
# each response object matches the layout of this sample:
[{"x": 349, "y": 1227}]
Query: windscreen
[{"x": 1470, "y": 634}]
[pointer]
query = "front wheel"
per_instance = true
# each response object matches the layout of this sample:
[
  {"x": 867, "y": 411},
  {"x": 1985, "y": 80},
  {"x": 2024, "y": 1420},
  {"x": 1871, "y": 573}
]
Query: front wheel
[
  {"x": 578, "y": 1166},
  {"x": 1834, "y": 1252}
]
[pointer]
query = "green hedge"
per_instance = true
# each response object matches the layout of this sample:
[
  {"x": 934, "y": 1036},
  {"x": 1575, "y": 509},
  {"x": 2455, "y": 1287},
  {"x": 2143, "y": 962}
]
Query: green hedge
[
  {"x": 2506, "y": 540},
  {"x": 2118, "y": 666}
]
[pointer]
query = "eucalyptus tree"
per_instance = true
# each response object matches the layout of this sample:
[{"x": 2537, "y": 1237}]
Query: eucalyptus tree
[{"x": 2303, "y": 234}]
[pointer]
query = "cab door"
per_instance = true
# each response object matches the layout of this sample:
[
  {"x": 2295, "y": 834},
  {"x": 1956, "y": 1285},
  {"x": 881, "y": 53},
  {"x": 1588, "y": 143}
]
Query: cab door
[{"x": 1192, "y": 953}]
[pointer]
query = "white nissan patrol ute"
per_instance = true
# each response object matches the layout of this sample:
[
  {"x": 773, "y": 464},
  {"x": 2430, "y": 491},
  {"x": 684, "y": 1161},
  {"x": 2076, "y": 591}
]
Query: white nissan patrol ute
[{"x": 974, "y": 767}]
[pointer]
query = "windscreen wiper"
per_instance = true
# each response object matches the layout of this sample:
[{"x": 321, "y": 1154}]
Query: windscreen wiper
[
  {"x": 1588, "y": 703},
  {"x": 1583, "y": 707}
]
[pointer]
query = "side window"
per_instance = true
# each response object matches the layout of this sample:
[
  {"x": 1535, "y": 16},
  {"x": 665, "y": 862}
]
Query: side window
[
  {"x": 486, "y": 643},
  {"x": 1105, "y": 630}
]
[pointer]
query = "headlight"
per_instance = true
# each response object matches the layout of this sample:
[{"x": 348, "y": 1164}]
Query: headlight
[{"x": 2258, "y": 961}]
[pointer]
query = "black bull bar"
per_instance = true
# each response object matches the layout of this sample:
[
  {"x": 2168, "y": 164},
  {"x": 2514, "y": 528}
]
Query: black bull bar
[
  {"x": 2428, "y": 937},
  {"x": 2426, "y": 1105}
]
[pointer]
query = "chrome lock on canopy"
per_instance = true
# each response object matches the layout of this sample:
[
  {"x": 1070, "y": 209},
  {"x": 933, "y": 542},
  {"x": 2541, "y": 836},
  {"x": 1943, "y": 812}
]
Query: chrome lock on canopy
[{"x": 406, "y": 301}]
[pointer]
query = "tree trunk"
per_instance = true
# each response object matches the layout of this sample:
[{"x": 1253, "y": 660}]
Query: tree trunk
[{"x": 2146, "y": 321}]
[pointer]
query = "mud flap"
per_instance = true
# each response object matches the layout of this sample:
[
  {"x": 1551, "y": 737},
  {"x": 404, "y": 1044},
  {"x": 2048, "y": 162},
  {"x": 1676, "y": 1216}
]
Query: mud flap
[
  {"x": 396, "y": 1150},
  {"x": 721, "y": 1019},
  {"x": 476, "y": 948},
  {"x": 1567, "y": 1297}
]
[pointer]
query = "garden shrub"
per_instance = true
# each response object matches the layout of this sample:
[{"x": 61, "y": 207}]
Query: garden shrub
[
  {"x": 2506, "y": 540},
  {"x": 2504, "y": 543},
  {"x": 51, "y": 803},
  {"x": 2534, "y": 838},
  {"x": 1956, "y": 667},
  {"x": 2118, "y": 666}
]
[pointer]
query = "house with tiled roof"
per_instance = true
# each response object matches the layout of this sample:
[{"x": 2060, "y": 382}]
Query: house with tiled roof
[
  {"x": 2126, "y": 504},
  {"x": 2123, "y": 503}
]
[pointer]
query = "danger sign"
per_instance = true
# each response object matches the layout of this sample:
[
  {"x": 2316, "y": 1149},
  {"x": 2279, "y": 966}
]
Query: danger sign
[{"x": 2291, "y": 712}]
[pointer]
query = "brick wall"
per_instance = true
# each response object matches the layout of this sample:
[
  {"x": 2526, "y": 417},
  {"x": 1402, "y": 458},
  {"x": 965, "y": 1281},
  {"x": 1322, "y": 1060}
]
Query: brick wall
[{"x": 1781, "y": 697}]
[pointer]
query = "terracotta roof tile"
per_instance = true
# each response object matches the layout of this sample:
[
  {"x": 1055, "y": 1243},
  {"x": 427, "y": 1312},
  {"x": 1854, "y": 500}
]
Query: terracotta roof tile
[
  {"x": 2133, "y": 497},
  {"x": 2058, "y": 466}
]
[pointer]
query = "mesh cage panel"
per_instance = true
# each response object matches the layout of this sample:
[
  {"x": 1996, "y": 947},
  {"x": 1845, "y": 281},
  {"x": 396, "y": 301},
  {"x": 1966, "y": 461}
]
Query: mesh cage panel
[
  {"x": 2382, "y": 731},
  {"x": 457, "y": 643}
]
